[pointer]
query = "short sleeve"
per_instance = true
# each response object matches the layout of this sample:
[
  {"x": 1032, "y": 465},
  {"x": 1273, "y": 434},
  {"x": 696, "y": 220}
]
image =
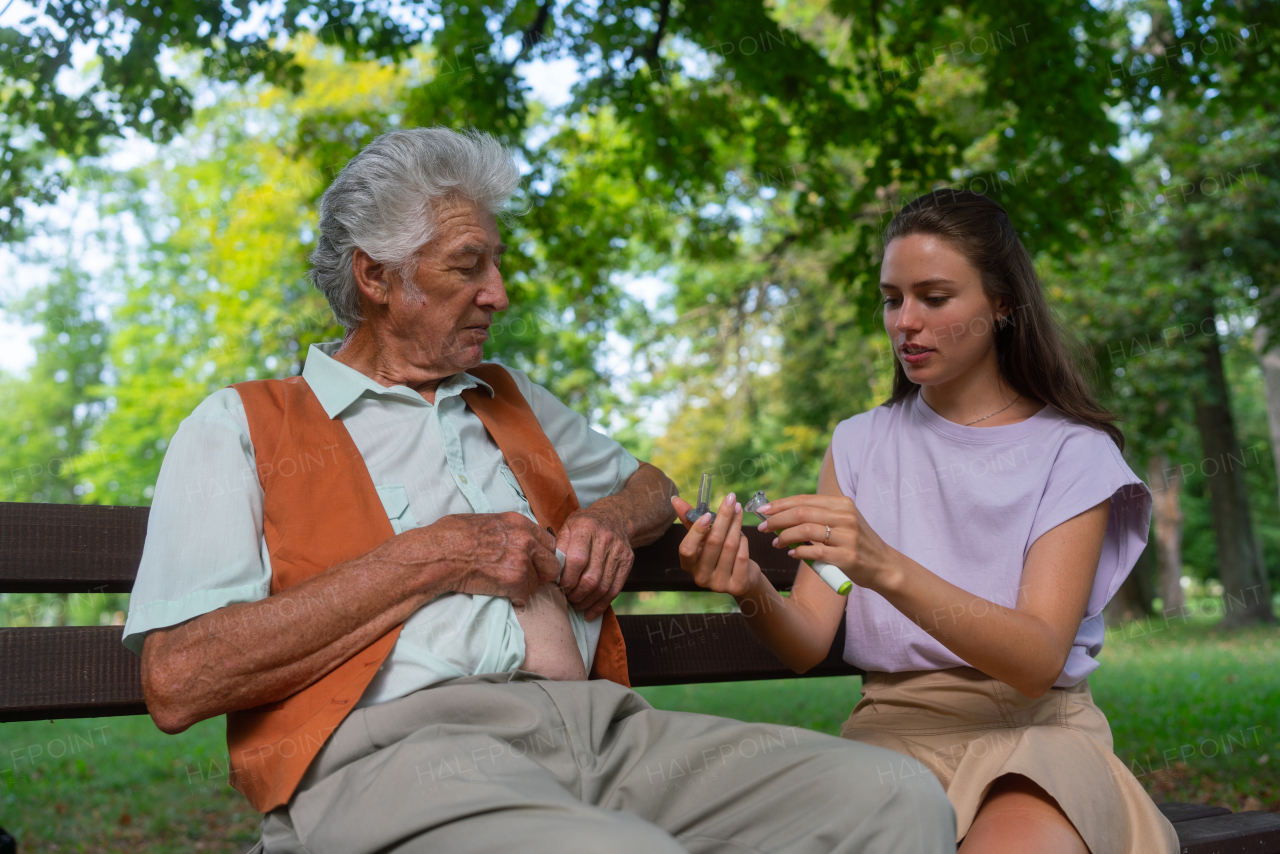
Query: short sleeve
[
  {"x": 203, "y": 548},
  {"x": 847, "y": 442},
  {"x": 597, "y": 465},
  {"x": 1087, "y": 470}
]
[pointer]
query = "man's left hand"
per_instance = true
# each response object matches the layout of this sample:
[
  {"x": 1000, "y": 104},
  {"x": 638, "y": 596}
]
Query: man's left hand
[{"x": 597, "y": 546}]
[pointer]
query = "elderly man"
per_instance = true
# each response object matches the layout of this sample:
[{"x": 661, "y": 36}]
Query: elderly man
[{"x": 393, "y": 575}]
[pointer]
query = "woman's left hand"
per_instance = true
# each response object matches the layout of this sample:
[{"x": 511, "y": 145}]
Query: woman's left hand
[
  {"x": 715, "y": 553},
  {"x": 851, "y": 544}
]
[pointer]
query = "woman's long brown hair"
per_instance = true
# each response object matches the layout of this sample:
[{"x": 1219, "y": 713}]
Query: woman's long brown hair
[{"x": 1031, "y": 351}]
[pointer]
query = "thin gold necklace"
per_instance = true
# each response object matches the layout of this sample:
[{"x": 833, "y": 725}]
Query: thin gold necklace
[{"x": 997, "y": 412}]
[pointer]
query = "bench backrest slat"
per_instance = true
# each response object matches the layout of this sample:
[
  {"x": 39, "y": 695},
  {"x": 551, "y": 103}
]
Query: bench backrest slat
[
  {"x": 85, "y": 671},
  {"x": 70, "y": 548},
  {"x": 71, "y": 672},
  {"x": 679, "y": 649},
  {"x": 82, "y": 548}
]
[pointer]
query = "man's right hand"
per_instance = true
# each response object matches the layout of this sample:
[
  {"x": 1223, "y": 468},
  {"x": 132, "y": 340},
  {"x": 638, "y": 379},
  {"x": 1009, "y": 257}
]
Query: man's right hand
[{"x": 492, "y": 554}]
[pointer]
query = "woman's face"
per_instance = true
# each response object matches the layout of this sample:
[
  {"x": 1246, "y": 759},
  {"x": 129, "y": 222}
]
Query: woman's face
[{"x": 935, "y": 310}]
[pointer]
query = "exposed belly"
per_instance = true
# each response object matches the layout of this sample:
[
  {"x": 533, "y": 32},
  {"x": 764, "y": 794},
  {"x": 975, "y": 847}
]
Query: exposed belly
[{"x": 549, "y": 644}]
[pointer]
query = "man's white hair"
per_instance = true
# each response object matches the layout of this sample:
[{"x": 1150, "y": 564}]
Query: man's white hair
[{"x": 386, "y": 201}]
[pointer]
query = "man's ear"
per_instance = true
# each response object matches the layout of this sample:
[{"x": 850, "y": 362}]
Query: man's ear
[{"x": 372, "y": 277}]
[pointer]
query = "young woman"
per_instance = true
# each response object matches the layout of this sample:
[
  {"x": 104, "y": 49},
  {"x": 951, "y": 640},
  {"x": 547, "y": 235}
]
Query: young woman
[{"x": 985, "y": 516}]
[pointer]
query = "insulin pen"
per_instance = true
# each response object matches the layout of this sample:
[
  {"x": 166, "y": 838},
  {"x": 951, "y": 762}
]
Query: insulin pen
[{"x": 836, "y": 580}]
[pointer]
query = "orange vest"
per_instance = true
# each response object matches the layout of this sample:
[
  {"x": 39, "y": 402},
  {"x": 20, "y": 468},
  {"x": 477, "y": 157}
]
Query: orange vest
[{"x": 320, "y": 508}]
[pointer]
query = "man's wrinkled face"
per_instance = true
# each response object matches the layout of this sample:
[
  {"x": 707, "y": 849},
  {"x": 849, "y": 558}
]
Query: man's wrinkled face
[{"x": 443, "y": 314}]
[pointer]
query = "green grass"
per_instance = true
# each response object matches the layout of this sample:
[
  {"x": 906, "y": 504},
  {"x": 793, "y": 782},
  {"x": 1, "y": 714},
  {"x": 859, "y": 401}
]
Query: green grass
[
  {"x": 1195, "y": 713},
  {"x": 119, "y": 784}
]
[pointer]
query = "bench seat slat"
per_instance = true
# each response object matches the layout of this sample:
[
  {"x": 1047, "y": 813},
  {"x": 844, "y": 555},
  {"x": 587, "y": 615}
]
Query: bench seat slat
[
  {"x": 1177, "y": 812},
  {"x": 1239, "y": 833}
]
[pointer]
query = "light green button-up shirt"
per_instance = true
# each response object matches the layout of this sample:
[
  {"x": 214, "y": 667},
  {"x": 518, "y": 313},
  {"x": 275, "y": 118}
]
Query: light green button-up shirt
[{"x": 205, "y": 548}]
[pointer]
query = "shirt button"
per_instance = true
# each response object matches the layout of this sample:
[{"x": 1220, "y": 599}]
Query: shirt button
[{"x": 462, "y": 477}]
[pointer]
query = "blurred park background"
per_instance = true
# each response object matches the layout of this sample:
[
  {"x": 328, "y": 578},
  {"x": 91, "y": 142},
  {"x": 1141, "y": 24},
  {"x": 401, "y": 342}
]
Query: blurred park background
[{"x": 694, "y": 264}]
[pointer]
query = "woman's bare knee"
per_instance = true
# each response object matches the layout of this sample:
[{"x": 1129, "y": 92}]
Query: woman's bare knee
[{"x": 1017, "y": 816}]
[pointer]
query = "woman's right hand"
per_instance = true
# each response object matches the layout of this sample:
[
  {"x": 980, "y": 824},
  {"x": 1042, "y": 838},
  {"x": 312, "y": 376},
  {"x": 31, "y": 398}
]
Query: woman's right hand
[{"x": 715, "y": 553}]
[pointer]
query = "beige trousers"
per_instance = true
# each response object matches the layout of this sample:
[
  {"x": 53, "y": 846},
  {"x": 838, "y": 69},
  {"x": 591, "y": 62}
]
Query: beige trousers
[
  {"x": 514, "y": 762},
  {"x": 970, "y": 729}
]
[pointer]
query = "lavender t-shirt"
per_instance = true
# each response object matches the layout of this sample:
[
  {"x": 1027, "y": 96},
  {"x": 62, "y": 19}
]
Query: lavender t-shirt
[{"x": 966, "y": 503}]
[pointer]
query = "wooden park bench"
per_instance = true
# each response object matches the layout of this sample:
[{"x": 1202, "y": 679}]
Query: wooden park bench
[{"x": 77, "y": 672}]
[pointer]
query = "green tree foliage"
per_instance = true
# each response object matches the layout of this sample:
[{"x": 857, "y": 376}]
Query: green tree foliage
[
  {"x": 780, "y": 333},
  {"x": 1136, "y": 295},
  {"x": 1191, "y": 249},
  {"x": 47, "y": 419},
  {"x": 219, "y": 293},
  {"x": 685, "y": 80},
  {"x": 847, "y": 112},
  {"x": 751, "y": 152}
]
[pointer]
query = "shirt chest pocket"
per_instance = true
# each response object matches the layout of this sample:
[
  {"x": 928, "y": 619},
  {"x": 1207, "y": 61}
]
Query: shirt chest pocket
[
  {"x": 396, "y": 502},
  {"x": 517, "y": 494}
]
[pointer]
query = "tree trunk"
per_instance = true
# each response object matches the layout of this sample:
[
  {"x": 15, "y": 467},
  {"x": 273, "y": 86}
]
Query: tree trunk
[
  {"x": 1167, "y": 514},
  {"x": 1271, "y": 382},
  {"x": 1246, "y": 597}
]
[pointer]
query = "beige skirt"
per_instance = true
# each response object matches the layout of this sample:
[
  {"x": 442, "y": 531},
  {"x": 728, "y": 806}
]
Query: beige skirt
[{"x": 970, "y": 729}]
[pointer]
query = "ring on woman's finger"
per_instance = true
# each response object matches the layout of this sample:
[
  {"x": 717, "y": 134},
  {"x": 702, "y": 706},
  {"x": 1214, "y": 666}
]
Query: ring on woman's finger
[{"x": 828, "y": 536}]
